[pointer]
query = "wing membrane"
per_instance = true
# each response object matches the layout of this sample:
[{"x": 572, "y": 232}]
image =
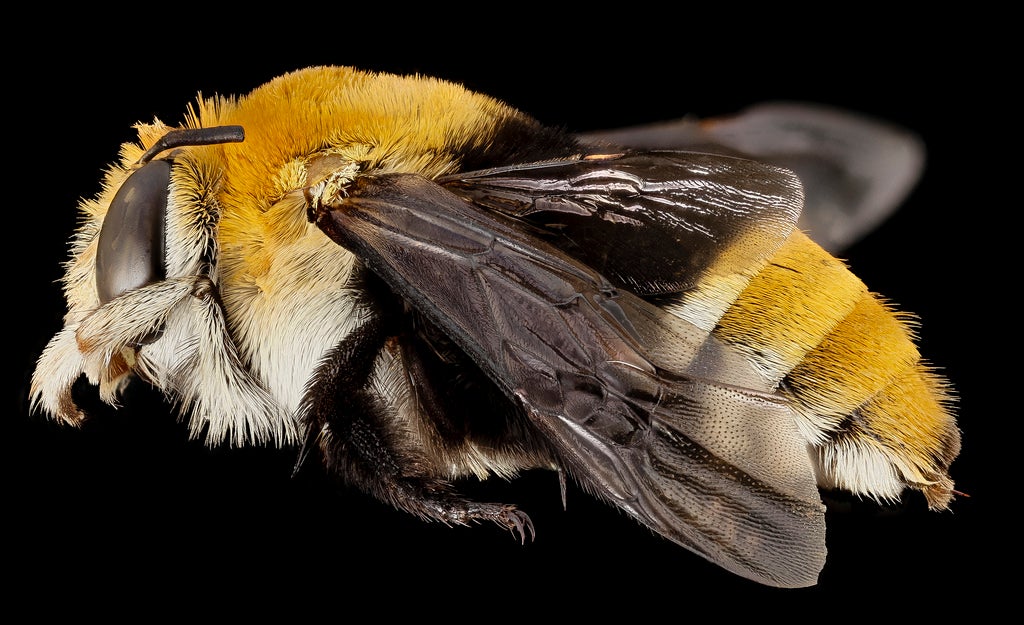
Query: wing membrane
[
  {"x": 855, "y": 170},
  {"x": 715, "y": 467},
  {"x": 692, "y": 215}
]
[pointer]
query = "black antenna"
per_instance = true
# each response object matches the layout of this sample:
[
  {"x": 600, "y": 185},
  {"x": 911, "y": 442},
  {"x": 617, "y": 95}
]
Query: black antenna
[{"x": 194, "y": 136}]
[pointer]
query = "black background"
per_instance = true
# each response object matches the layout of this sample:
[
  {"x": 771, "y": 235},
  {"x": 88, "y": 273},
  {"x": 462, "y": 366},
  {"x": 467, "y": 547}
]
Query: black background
[{"x": 127, "y": 512}]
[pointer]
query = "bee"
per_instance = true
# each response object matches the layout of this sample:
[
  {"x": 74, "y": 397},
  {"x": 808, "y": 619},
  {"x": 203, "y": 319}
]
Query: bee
[{"x": 414, "y": 284}]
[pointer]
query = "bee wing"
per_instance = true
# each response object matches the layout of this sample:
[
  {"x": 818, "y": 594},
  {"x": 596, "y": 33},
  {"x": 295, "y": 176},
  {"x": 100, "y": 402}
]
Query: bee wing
[
  {"x": 693, "y": 215},
  {"x": 716, "y": 466},
  {"x": 856, "y": 170}
]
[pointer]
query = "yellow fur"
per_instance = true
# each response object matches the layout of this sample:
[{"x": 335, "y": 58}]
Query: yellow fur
[{"x": 842, "y": 355}]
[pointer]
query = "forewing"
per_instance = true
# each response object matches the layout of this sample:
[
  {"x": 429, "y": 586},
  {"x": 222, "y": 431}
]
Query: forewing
[
  {"x": 652, "y": 222},
  {"x": 713, "y": 466},
  {"x": 856, "y": 170}
]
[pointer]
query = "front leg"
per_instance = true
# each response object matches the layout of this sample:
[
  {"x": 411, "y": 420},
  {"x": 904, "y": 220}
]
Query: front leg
[{"x": 348, "y": 418}]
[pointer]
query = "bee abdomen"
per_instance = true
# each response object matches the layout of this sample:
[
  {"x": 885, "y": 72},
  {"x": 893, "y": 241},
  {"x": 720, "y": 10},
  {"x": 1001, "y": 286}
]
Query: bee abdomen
[{"x": 877, "y": 417}]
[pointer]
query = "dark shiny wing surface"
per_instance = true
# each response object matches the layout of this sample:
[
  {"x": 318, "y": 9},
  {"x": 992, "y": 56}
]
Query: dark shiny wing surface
[
  {"x": 712, "y": 466},
  {"x": 653, "y": 222},
  {"x": 856, "y": 170}
]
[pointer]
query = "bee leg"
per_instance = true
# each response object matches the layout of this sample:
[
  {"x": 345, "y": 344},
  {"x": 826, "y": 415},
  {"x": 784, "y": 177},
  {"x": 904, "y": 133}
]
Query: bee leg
[{"x": 362, "y": 444}]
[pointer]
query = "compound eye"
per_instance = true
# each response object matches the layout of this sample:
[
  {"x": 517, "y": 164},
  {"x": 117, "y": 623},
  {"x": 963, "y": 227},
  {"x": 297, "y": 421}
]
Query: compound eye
[{"x": 131, "y": 246}]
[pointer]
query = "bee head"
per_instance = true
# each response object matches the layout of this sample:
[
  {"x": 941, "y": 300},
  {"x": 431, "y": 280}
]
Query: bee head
[{"x": 131, "y": 250}]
